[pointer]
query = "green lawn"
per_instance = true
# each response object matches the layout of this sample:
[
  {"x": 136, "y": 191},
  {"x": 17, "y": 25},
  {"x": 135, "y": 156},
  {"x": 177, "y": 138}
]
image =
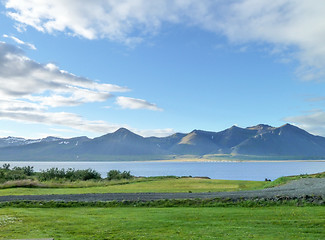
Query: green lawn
[
  {"x": 145, "y": 185},
  {"x": 283, "y": 222}
]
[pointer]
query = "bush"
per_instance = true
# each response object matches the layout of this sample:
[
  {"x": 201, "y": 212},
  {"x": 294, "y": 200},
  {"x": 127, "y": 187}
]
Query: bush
[
  {"x": 70, "y": 174},
  {"x": 16, "y": 173},
  {"x": 29, "y": 171},
  {"x": 6, "y": 166},
  {"x": 87, "y": 174},
  {"x": 117, "y": 175}
]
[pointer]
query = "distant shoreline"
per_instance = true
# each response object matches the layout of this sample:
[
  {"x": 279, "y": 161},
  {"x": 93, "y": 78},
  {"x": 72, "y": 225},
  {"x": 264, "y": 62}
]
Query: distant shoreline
[
  {"x": 233, "y": 160},
  {"x": 173, "y": 160}
]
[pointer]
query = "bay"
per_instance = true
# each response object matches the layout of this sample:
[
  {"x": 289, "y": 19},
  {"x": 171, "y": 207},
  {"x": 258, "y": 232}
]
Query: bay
[{"x": 257, "y": 171}]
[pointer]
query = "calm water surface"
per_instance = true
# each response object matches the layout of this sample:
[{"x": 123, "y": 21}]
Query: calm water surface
[{"x": 215, "y": 170}]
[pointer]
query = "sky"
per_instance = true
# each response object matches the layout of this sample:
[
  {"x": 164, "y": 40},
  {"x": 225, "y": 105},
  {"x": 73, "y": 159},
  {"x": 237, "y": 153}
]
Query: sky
[{"x": 79, "y": 67}]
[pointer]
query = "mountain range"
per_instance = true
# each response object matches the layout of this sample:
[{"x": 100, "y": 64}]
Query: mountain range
[{"x": 261, "y": 140}]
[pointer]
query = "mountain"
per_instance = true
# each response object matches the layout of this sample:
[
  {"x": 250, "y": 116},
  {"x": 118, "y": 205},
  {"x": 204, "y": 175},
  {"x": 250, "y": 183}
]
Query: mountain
[
  {"x": 16, "y": 141},
  {"x": 121, "y": 142},
  {"x": 197, "y": 142},
  {"x": 286, "y": 140},
  {"x": 259, "y": 140}
]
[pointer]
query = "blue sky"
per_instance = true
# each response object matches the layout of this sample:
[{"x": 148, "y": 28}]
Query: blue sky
[{"x": 158, "y": 67}]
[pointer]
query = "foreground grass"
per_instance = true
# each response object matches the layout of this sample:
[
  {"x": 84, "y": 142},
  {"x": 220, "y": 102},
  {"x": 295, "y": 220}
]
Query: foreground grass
[
  {"x": 282, "y": 222},
  {"x": 171, "y": 184}
]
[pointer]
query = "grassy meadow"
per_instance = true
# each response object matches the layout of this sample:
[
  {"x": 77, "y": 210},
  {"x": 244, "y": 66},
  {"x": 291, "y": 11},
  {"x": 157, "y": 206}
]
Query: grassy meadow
[
  {"x": 165, "y": 184},
  {"x": 282, "y": 222},
  {"x": 134, "y": 185},
  {"x": 174, "y": 219}
]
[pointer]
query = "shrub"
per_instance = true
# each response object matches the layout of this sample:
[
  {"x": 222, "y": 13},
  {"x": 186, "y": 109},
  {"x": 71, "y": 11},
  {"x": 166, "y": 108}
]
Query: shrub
[
  {"x": 6, "y": 166},
  {"x": 29, "y": 171},
  {"x": 16, "y": 173},
  {"x": 69, "y": 174},
  {"x": 117, "y": 175}
]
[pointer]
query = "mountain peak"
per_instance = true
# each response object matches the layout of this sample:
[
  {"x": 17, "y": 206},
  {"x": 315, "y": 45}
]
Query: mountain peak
[
  {"x": 291, "y": 128},
  {"x": 233, "y": 129},
  {"x": 288, "y": 125},
  {"x": 196, "y": 131},
  {"x": 123, "y": 133},
  {"x": 260, "y": 127},
  {"x": 122, "y": 130}
]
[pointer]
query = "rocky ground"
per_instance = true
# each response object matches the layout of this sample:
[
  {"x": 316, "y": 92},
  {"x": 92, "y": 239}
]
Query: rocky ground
[{"x": 307, "y": 188}]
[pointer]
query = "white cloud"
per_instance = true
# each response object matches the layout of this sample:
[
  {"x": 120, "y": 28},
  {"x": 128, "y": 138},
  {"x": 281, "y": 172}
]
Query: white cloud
[
  {"x": 17, "y": 40},
  {"x": 28, "y": 91},
  {"x": 58, "y": 118},
  {"x": 28, "y": 88},
  {"x": 134, "y": 103},
  {"x": 127, "y": 21},
  {"x": 23, "y": 78},
  {"x": 71, "y": 120},
  {"x": 313, "y": 122},
  {"x": 295, "y": 28}
]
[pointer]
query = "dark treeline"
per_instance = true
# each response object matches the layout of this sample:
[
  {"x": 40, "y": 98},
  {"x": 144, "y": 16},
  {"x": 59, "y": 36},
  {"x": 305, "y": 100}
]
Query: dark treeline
[{"x": 56, "y": 174}]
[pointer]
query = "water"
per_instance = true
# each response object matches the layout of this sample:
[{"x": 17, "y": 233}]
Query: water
[{"x": 215, "y": 170}]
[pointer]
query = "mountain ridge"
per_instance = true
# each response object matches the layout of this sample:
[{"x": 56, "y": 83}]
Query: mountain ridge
[{"x": 259, "y": 140}]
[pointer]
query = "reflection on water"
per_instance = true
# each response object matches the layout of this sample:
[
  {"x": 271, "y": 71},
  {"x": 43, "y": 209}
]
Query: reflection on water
[{"x": 215, "y": 170}]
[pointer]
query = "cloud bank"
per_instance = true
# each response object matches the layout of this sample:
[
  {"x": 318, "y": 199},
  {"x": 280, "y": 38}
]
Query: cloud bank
[
  {"x": 294, "y": 28},
  {"x": 21, "y": 77},
  {"x": 313, "y": 122},
  {"x": 30, "y": 90}
]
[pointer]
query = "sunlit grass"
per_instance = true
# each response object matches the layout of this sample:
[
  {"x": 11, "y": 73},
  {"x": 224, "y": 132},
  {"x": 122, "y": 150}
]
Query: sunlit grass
[
  {"x": 283, "y": 222},
  {"x": 138, "y": 185},
  {"x": 152, "y": 184}
]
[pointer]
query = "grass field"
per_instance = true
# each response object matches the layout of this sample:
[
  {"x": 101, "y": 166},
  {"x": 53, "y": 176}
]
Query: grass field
[
  {"x": 151, "y": 184},
  {"x": 139, "y": 185},
  {"x": 282, "y": 222},
  {"x": 181, "y": 221}
]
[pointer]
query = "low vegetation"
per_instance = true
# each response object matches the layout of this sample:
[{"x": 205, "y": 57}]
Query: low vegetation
[
  {"x": 68, "y": 175},
  {"x": 25, "y": 181},
  {"x": 55, "y": 174},
  {"x": 17, "y": 174},
  {"x": 150, "y": 184}
]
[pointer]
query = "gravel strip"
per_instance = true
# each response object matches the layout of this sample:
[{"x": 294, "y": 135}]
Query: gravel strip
[{"x": 294, "y": 189}]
